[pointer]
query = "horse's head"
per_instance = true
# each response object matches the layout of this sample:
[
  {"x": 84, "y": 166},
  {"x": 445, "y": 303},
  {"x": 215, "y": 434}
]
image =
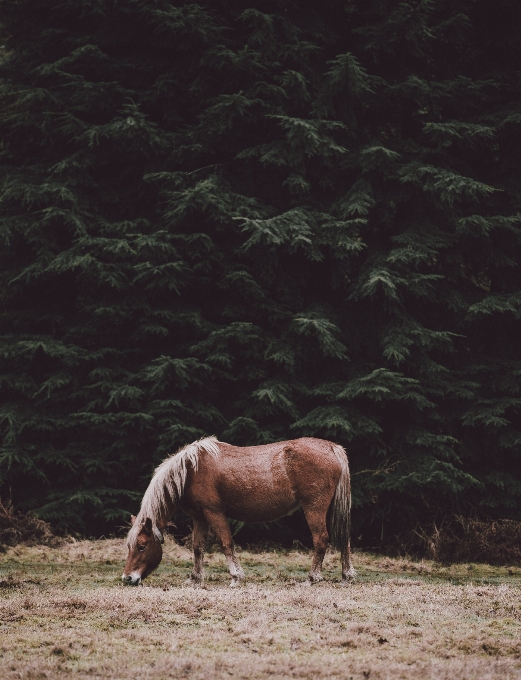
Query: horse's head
[{"x": 144, "y": 553}]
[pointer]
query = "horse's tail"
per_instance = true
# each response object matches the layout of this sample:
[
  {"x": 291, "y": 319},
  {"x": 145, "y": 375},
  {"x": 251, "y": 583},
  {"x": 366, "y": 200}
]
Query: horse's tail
[{"x": 339, "y": 516}]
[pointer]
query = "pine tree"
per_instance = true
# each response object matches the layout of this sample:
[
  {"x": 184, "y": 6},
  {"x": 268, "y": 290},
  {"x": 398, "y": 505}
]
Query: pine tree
[{"x": 262, "y": 222}]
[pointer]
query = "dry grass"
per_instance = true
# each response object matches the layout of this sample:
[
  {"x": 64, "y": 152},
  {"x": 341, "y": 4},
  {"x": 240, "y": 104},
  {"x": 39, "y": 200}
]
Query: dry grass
[{"x": 63, "y": 612}]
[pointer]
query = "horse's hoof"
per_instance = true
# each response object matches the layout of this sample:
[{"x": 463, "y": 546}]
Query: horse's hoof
[
  {"x": 193, "y": 583},
  {"x": 235, "y": 583},
  {"x": 313, "y": 581},
  {"x": 349, "y": 576}
]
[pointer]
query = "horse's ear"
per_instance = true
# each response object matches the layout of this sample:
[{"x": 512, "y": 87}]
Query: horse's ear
[
  {"x": 147, "y": 526},
  {"x": 132, "y": 520}
]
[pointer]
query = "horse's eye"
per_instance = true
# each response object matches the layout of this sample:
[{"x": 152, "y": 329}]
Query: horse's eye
[{"x": 141, "y": 548}]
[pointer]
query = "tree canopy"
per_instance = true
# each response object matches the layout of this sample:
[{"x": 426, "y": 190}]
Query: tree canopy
[{"x": 261, "y": 221}]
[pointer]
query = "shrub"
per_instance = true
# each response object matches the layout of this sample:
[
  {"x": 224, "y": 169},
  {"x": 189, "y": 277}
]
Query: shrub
[
  {"x": 466, "y": 540},
  {"x": 17, "y": 527}
]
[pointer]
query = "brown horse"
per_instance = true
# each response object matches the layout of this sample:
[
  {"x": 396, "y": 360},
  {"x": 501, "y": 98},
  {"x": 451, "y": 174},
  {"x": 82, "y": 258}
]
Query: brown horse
[{"x": 211, "y": 480}]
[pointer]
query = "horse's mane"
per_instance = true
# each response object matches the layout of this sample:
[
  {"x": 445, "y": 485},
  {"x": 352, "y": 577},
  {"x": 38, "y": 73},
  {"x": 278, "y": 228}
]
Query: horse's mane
[{"x": 168, "y": 483}]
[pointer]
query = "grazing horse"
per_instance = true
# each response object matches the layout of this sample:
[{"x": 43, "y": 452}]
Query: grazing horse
[{"x": 211, "y": 480}]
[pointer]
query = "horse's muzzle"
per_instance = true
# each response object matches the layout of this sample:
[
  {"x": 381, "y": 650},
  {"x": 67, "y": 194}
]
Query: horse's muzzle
[{"x": 131, "y": 579}]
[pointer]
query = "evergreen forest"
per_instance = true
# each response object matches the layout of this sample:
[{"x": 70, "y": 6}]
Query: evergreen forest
[{"x": 261, "y": 220}]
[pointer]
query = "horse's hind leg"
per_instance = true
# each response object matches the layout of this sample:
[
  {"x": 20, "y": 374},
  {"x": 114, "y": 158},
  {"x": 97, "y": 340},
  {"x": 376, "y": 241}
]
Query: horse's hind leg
[
  {"x": 348, "y": 571},
  {"x": 199, "y": 534},
  {"x": 316, "y": 519},
  {"x": 221, "y": 528}
]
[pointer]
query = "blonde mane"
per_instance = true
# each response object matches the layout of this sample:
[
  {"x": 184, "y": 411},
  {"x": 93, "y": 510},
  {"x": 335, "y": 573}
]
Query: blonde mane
[{"x": 167, "y": 484}]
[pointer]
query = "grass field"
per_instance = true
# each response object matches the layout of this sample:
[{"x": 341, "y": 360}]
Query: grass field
[{"x": 63, "y": 613}]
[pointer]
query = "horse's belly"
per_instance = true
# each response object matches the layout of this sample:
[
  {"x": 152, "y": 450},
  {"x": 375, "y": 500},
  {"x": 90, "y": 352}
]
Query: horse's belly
[
  {"x": 261, "y": 511},
  {"x": 260, "y": 494}
]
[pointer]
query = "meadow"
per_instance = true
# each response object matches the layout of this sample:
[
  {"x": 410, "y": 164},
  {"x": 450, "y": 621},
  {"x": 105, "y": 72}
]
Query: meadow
[{"x": 64, "y": 613}]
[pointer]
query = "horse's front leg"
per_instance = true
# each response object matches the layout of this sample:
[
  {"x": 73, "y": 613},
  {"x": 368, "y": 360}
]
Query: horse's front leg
[
  {"x": 199, "y": 535},
  {"x": 221, "y": 528}
]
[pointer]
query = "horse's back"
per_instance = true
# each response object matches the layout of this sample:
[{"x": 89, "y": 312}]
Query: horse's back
[{"x": 290, "y": 458}]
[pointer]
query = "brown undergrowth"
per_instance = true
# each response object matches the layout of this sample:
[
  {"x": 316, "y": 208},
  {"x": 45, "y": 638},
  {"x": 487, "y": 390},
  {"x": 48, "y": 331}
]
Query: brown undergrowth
[
  {"x": 464, "y": 539},
  {"x": 64, "y": 613},
  {"x": 18, "y": 527}
]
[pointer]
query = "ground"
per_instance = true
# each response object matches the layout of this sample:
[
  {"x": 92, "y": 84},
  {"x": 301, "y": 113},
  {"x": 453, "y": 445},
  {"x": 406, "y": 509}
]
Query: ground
[{"x": 63, "y": 612}]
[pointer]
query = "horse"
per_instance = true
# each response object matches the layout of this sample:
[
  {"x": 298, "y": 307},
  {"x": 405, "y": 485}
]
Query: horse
[{"x": 211, "y": 481}]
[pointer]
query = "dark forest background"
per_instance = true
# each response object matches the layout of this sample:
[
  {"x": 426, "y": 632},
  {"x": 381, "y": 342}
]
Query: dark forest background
[{"x": 261, "y": 220}]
